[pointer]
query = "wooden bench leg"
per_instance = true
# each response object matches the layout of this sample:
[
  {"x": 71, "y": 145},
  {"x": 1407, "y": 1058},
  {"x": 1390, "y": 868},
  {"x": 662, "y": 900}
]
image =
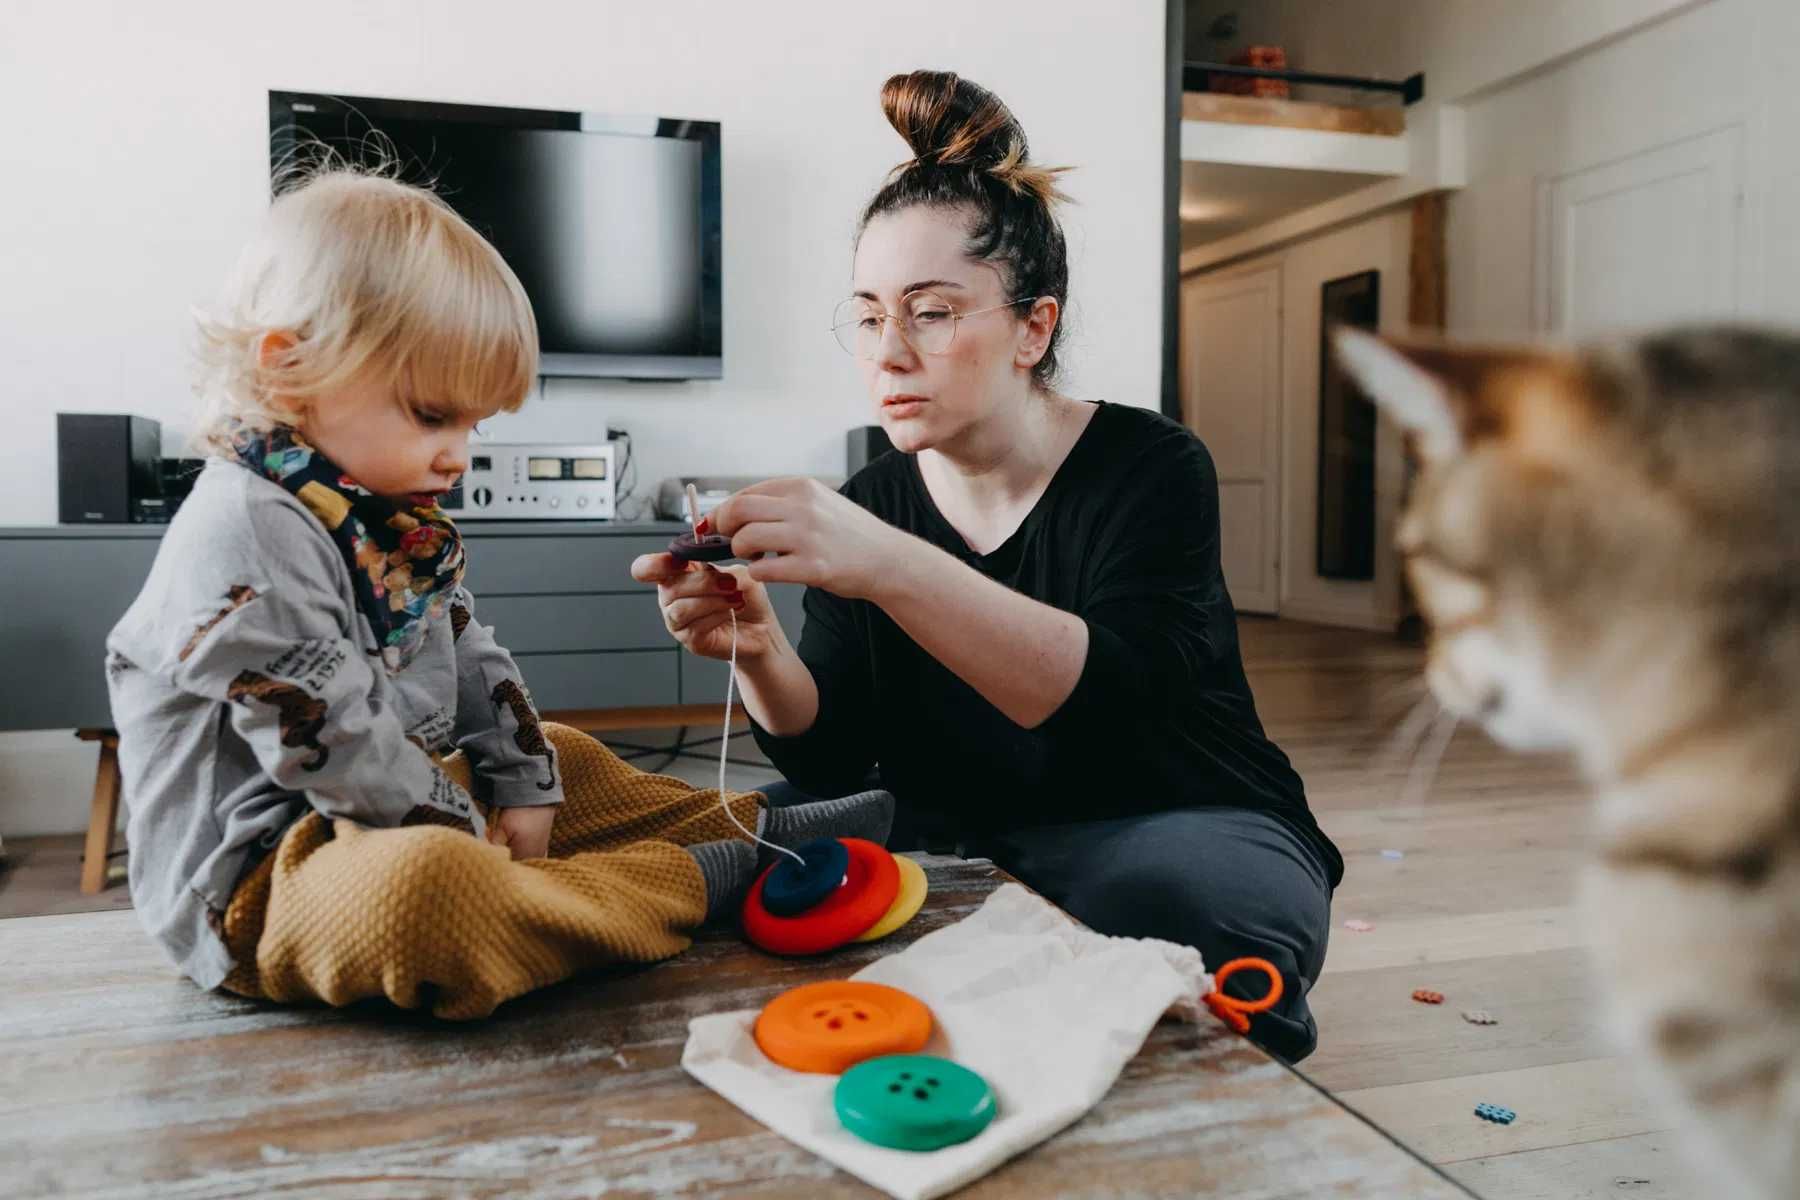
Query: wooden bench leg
[{"x": 103, "y": 816}]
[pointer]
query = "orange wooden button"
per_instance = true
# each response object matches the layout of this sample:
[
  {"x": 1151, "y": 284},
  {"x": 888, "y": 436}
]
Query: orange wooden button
[{"x": 827, "y": 1028}]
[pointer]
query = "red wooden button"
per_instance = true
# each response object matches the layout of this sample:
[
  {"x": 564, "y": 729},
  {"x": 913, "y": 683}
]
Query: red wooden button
[{"x": 871, "y": 884}]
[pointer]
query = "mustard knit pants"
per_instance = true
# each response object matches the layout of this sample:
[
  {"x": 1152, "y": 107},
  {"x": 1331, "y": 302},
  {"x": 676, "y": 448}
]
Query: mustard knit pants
[{"x": 427, "y": 915}]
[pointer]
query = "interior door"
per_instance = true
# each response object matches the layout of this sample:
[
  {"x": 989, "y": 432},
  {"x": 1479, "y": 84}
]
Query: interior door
[
  {"x": 1231, "y": 398},
  {"x": 1648, "y": 240}
]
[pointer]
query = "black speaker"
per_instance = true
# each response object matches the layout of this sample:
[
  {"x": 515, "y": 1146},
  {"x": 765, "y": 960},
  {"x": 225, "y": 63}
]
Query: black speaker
[
  {"x": 108, "y": 469},
  {"x": 179, "y": 474},
  {"x": 866, "y": 445}
]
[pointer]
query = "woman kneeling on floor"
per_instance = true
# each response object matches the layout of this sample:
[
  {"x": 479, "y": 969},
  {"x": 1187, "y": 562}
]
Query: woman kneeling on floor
[{"x": 1020, "y": 617}]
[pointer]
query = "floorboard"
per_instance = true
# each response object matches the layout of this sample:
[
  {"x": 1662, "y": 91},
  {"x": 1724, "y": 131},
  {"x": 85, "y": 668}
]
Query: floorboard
[{"x": 1480, "y": 906}]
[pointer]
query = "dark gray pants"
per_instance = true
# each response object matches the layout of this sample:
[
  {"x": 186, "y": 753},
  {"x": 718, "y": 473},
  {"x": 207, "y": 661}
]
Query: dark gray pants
[{"x": 1231, "y": 882}]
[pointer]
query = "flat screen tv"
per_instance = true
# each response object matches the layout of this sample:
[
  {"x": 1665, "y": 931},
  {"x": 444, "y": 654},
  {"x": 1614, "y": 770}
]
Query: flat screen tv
[{"x": 612, "y": 223}]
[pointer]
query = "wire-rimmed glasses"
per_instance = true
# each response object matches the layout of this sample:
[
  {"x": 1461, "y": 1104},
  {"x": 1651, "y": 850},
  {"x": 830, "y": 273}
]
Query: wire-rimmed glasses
[{"x": 927, "y": 322}]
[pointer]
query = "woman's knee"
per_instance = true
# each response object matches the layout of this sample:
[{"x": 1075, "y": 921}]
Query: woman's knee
[
  {"x": 1194, "y": 878},
  {"x": 1142, "y": 899}
]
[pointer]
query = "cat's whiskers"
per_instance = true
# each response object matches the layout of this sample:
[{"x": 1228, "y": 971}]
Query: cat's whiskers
[
  {"x": 1394, "y": 755},
  {"x": 1403, "y": 743},
  {"x": 1402, "y": 692},
  {"x": 1424, "y": 769}
]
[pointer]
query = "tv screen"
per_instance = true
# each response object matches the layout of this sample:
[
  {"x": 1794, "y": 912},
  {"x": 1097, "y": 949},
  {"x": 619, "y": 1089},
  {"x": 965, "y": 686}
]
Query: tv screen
[{"x": 611, "y": 223}]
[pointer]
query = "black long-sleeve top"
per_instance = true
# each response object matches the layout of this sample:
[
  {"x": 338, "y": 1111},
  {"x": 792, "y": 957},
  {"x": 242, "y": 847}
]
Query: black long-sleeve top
[{"x": 1126, "y": 537}]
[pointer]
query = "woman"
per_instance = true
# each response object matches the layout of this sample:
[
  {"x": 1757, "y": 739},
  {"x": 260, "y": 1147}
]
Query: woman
[{"x": 1020, "y": 618}]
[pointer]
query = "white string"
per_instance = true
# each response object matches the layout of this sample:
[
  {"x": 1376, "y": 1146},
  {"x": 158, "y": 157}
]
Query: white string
[
  {"x": 725, "y": 749},
  {"x": 693, "y": 506}
]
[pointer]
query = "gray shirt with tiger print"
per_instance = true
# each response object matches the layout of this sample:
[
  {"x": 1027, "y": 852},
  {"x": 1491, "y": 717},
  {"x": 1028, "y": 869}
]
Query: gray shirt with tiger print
[{"x": 248, "y": 689}]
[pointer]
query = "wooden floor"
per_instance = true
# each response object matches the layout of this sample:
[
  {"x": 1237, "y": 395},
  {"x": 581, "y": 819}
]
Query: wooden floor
[{"x": 1478, "y": 907}]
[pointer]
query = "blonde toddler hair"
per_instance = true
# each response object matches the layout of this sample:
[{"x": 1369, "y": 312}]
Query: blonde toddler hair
[{"x": 367, "y": 275}]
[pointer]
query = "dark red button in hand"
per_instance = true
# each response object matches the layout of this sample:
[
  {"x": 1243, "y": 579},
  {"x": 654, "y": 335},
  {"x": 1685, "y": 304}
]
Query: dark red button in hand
[{"x": 714, "y": 547}]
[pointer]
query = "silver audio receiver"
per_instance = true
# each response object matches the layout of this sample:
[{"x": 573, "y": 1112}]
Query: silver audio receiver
[{"x": 545, "y": 481}]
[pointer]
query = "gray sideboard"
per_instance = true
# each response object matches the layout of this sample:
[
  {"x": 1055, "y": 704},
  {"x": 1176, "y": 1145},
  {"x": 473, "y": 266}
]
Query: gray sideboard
[{"x": 558, "y": 593}]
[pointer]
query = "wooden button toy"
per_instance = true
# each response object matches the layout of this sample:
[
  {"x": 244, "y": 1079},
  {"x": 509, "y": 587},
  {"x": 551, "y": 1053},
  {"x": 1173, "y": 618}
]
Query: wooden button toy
[
  {"x": 826, "y": 1028},
  {"x": 914, "y": 1102},
  {"x": 712, "y": 547},
  {"x": 693, "y": 546},
  {"x": 792, "y": 889},
  {"x": 870, "y": 884},
  {"x": 907, "y": 903}
]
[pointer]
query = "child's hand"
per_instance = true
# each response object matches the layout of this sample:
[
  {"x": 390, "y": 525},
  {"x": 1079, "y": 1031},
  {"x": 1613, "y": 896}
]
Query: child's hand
[{"x": 525, "y": 830}]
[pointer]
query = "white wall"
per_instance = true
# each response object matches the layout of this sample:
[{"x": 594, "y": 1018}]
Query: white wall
[
  {"x": 1775, "y": 164},
  {"x": 1462, "y": 46},
  {"x": 135, "y": 163},
  {"x": 1673, "y": 80},
  {"x": 1547, "y": 87},
  {"x": 147, "y": 165}
]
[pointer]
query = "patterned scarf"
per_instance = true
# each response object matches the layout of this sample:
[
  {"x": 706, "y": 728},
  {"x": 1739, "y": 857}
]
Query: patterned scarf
[{"x": 404, "y": 561}]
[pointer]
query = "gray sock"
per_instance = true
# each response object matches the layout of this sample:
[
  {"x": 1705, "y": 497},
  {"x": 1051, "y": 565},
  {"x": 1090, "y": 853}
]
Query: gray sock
[
  {"x": 729, "y": 868},
  {"x": 868, "y": 815}
]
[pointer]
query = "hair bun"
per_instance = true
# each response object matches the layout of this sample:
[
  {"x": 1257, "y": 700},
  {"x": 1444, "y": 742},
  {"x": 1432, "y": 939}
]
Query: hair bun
[{"x": 951, "y": 122}]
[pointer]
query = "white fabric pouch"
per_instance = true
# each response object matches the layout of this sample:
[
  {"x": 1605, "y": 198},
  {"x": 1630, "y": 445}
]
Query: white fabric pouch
[{"x": 1046, "y": 1011}]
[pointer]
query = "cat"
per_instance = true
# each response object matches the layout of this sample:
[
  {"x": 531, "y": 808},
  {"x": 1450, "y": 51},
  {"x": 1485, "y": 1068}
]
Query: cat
[{"x": 1605, "y": 543}]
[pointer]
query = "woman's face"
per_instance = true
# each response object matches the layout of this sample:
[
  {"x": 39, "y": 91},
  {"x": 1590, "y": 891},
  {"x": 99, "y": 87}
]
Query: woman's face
[{"x": 925, "y": 400}]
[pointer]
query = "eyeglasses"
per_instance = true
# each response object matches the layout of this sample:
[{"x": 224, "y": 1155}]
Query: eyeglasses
[{"x": 926, "y": 321}]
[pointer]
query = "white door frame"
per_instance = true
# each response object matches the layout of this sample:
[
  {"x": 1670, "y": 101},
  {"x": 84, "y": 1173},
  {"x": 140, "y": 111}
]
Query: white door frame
[{"x": 1266, "y": 597}]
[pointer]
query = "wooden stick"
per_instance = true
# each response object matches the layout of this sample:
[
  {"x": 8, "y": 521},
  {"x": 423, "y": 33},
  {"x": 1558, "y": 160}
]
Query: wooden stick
[{"x": 693, "y": 499}]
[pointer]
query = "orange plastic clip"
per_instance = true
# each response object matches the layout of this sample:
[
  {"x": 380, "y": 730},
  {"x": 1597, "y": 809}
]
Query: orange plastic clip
[{"x": 1235, "y": 1012}]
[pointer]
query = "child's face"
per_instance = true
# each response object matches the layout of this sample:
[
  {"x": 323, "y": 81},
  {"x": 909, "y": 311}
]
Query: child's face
[{"x": 409, "y": 453}]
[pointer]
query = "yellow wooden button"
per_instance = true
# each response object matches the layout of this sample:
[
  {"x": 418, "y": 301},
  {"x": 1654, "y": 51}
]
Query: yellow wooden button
[{"x": 907, "y": 903}]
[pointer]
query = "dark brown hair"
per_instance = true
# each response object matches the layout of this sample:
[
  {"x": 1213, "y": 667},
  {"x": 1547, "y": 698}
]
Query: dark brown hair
[{"x": 969, "y": 154}]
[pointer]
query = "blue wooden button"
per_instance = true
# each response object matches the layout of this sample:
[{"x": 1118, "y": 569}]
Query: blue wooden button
[
  {"x": 791, "y": 890},
  {"x": 913, "y": 1102}
]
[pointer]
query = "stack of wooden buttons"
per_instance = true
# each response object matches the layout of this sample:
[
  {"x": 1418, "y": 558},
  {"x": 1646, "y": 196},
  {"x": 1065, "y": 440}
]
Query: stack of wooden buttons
[{"x": 842, "y": 890}]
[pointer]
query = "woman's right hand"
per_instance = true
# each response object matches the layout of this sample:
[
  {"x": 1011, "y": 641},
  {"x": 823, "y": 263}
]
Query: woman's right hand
[{"x": 698, "y": 600}]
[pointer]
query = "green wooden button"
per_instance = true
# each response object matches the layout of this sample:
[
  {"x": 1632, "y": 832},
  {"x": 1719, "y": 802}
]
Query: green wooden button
[{"x": 913, "y": 1102}]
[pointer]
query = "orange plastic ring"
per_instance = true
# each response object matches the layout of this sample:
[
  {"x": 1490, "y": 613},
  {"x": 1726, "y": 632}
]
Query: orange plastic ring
[{"x": 1235, "y": 1012}]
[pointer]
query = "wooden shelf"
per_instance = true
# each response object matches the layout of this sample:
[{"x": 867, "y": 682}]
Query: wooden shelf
[
  {"x": 1248, "y": 161},
  {"x": 1385, "y": 121}
]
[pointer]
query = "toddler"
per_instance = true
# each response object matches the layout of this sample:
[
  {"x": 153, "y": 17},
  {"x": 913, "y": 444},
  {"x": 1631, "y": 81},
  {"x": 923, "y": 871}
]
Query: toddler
[{"x": 337, "y": 783}]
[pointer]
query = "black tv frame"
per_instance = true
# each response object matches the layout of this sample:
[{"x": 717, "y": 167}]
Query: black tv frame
[{"x": 285, "y": 148}]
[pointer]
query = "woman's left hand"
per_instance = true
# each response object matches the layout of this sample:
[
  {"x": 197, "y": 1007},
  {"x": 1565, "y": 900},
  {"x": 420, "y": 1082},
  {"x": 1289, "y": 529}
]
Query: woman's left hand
[{"x": 821, "y": 539}]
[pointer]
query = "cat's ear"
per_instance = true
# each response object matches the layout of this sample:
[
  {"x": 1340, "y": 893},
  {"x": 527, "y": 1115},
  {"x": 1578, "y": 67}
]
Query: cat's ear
[
  {"x": 1420, "y": 401},
  {"x": 1449, "y": 395}
]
